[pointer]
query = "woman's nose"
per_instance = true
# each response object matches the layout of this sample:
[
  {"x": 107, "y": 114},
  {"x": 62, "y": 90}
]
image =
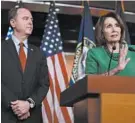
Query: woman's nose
[{"x": 113, "y": 28}]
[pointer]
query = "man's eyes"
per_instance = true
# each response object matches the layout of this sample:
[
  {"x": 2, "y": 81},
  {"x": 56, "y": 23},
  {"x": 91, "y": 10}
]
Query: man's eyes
[{"x": 26, "y": 18}]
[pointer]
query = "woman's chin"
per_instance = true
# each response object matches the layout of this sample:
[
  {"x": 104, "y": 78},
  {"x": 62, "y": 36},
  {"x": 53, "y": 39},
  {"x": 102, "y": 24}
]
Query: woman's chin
[{"x": 114, "y": 41}]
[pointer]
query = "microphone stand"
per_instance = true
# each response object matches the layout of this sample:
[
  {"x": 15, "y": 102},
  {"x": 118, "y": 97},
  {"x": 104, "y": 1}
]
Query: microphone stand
[{"x": 113, "y": 48}]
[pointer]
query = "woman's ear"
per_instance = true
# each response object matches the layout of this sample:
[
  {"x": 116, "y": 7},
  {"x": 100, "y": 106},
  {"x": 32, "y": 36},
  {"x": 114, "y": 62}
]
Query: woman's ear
[{"x": 12, "y": 23}]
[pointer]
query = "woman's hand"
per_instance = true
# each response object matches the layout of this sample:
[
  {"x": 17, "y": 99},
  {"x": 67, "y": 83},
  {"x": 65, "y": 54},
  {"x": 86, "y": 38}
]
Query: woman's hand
[{"x": 122, "y": 58}]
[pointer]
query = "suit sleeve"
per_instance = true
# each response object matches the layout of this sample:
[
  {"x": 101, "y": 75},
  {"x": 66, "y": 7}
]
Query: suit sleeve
[
  {"x": 7, "y": 96},
  {"x": 91, "y": 64},
  {"x": 43, "y": 80}
]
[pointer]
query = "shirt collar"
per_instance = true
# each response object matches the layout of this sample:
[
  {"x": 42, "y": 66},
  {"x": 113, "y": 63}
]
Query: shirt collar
[{"x": 17, "y": 42}]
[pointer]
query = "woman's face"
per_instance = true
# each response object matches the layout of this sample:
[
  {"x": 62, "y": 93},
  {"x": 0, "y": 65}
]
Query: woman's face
[{"x": 111, "y": 30}]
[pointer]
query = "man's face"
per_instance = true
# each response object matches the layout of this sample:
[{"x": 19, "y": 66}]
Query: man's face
[{"x": 23, "y": 22}]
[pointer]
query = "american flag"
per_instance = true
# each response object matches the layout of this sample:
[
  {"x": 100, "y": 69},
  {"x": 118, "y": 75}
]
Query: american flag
[
  {"x": 9, "y": 33},
  {"x": 53, "y": 50}
]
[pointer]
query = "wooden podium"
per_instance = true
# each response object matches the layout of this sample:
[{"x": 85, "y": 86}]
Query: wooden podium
[{"x": 101, "y": 99}]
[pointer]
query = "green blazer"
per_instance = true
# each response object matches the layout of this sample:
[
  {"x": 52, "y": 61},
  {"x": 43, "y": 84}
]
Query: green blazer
[{"x": 97, "y": 61}]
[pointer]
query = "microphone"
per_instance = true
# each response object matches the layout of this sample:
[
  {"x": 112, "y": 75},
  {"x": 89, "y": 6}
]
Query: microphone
[
  {"x": 113, "y": 48},
  {"x": 131, "y": 49}
]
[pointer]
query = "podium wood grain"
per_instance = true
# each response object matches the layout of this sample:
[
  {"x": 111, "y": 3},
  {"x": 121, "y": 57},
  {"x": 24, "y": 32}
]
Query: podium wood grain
[{"x": 117, "y": 108}]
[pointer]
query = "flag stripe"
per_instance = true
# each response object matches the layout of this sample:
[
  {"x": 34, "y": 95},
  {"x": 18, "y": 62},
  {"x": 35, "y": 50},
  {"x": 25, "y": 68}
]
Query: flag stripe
[
  {"x": 63, "y": 66},
  {"x": 49, "y": 105},
  {"x": 64, "y": 110},
  {"x": 47, "y": 109},
  {"x": 55, "y": 102},
  {"x": 50, "y": 101},
  {"x": 44, "y": 115},
  {"x": 70, "y": 112},
  {"x": 60, "y": 69},
  {"x": 61, "y": 81},
  {"x": 51, "y": 95},
  {"x": 56, "y": 118},
  {"x": 59, "y": 74}
]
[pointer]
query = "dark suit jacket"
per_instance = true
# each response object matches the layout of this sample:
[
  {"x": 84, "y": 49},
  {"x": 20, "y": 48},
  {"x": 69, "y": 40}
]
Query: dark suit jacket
[{"x": 17, "y": 85}]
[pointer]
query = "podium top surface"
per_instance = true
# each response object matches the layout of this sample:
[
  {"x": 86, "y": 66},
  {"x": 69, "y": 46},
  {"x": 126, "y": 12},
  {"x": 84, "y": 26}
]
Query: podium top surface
[{"x": 95, "y": 85}]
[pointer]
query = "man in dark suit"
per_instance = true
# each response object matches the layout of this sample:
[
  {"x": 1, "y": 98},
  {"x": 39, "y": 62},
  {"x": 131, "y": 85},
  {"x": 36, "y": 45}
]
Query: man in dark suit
[{"x": 24, "y": 73}]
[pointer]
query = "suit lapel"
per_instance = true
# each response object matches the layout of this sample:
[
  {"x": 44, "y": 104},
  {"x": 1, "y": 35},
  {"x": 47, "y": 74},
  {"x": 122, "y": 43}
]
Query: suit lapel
[
  {"x": 12, "y": 50},
  {"x": 29, "y": 68},
  {"x": 30, "y": 59}
]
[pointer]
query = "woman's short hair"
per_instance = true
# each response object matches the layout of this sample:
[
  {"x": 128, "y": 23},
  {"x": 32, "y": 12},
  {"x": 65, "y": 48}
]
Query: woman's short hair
[{"x": 99, "y": 35}]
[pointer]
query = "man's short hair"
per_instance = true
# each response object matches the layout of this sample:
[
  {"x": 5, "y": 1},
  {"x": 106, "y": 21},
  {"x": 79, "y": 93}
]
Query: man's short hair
[{"x": 13, "y": 12}]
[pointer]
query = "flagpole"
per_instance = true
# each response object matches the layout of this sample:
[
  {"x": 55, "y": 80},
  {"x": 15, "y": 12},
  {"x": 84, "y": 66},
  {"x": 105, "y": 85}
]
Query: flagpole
[
  {"x": 19, "y": 3},
  {"x": 120, "y": 10},
  {"x": 122, "y": 5},
  {"x": 116, "y": 2}
]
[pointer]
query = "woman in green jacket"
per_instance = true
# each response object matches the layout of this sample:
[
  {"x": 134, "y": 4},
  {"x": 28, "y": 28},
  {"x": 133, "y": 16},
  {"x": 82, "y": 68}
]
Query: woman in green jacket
[{"x": 112, "y": 55}]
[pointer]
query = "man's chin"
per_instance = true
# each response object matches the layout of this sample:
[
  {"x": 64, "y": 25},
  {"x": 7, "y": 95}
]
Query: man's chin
[{"x": 28, "y": 33}]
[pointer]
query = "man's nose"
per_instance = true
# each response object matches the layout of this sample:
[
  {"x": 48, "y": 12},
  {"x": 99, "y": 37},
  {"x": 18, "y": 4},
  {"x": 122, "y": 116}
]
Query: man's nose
[{"x": 30, "y": 21}]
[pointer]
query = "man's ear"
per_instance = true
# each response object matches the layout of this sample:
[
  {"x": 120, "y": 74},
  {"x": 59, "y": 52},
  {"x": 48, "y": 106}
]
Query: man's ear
[{"x": 12, "y": 23}]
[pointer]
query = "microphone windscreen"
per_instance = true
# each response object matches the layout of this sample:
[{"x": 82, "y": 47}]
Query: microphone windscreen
[{"x": 114, "y": 47}]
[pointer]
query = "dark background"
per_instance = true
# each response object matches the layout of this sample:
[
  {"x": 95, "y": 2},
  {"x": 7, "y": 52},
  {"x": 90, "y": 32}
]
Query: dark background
[{"x": 69, "y": 25}]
